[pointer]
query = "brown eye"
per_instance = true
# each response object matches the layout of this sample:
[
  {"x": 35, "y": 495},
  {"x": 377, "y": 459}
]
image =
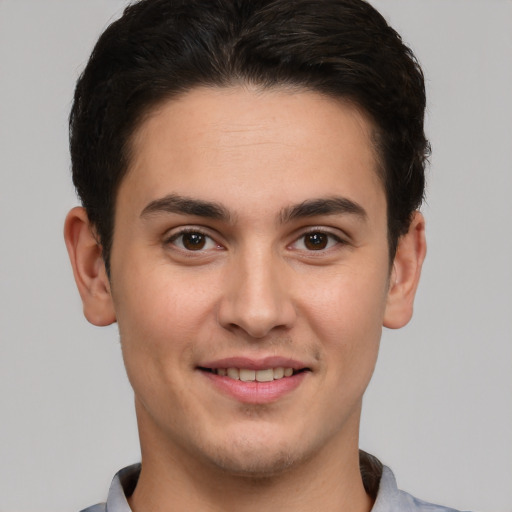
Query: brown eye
[
  {"x": 193, "y": 241},
  {"x": 316, "y": 241}
]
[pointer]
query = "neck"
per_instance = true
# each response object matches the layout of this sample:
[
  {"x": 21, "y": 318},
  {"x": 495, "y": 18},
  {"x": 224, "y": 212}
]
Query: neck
[{"x": 173, "y": 479}]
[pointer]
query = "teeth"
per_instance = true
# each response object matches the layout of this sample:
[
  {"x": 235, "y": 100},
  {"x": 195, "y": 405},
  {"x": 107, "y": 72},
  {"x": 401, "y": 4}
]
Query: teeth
[
  {"x": 279, "y": 373},
  {"x": 265, "y": 375},
  {"x": 246, "y": 375},
  {"x": 233, "y": 373}
]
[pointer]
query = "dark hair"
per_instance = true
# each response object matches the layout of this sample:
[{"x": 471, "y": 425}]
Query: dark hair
[{"x": 161, "y": 48}]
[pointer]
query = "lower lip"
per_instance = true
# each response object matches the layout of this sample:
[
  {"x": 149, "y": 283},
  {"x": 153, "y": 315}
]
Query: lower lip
[{"x": 256, "y": 392}]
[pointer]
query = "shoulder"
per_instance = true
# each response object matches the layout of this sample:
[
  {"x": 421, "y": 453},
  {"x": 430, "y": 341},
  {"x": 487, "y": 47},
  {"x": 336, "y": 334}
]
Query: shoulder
[
  {"x": 100, "y": 507},
  {"x": 121, "y": 488},
  {"x": 410, "y": 503},
  {"x": 392, "y": 499}
]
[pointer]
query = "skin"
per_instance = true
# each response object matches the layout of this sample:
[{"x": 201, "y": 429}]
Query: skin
[{"x": 264, "y": 279}]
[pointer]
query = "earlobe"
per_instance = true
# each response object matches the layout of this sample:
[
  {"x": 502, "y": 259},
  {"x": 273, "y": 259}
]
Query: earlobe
[
  {"x": 85, "y": 254},
  {"x": 405, "y": 274}
]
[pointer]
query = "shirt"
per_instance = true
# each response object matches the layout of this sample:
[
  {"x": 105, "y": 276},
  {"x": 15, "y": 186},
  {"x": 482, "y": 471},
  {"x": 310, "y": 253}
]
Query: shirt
[{"x": 379, "y": 482}]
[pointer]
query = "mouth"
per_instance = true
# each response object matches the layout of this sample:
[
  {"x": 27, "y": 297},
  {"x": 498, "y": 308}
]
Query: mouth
[
  {"x": 261, "y": 380},
  {"x": 252, "y": 375}
]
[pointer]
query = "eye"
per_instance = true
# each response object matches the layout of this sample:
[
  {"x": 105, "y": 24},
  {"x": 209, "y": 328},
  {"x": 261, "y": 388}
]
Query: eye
[
  {"x": 316, "y": 241},
  {"x": 192, "y": 241}
]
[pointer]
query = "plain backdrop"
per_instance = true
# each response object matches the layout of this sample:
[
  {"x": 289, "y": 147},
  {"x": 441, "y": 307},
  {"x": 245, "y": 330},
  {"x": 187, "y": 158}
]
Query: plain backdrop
[{"x": 439, "y": 409}]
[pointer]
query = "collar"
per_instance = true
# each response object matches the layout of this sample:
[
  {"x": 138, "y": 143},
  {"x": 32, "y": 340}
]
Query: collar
[{"x": 378, "y": 480}]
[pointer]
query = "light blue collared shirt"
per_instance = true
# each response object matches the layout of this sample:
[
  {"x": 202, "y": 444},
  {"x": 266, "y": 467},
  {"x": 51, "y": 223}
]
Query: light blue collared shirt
[{"x": 389, "y": 498}]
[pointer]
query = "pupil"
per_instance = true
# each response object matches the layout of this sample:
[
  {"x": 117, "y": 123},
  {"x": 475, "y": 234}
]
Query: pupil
[
  {"x": 316, "y": 241},
  {"x": 193, "y": 241}
]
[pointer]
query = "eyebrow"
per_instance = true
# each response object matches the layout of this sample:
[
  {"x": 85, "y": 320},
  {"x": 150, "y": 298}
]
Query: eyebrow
[
  {"x": 323, "y": 206},
  {"x": 173, "y": 203},
  {"x": 183, "y": 205}
]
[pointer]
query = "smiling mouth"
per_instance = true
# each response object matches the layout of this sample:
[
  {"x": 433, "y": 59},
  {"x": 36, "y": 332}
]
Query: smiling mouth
[{"x": 248, "y": 375}]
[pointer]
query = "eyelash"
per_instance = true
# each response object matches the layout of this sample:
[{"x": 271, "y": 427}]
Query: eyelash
[
  {"x": 192, "y": 231},
  {"x": 332, "y": 240}
]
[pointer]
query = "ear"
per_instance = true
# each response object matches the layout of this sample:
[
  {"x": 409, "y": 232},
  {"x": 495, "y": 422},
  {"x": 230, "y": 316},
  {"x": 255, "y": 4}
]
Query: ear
[
  {"x": 89, "y": 269},
  {"x": 405, "y": 274}
]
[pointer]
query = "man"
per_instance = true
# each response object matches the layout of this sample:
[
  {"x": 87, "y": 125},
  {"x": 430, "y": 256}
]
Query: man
[{"x": 250, "y": 173}]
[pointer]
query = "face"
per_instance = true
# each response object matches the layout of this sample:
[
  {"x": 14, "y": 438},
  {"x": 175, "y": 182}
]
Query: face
[{"x": 250, "y": 276}]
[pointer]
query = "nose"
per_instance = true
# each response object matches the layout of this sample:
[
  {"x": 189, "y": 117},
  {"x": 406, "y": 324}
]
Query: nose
[{"x": 257, "y": 296}]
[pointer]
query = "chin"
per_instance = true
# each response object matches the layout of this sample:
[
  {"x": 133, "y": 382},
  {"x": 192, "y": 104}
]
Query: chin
[
  {"x": 256, "y": 465},
  {"x": 259, "y": 459}
]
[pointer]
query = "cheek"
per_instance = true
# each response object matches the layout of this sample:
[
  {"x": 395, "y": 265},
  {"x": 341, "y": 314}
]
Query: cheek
[
  {"x": 157, "y": 331},
  {"x": 164, "y": 318},
  {"x": 349, "y": 300},
  {"x": 162, "y": 302},
  {"x": 346, "y": 313}
]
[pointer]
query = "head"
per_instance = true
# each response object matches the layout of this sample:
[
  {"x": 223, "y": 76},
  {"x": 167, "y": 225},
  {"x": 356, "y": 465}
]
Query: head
[
  {"x": 249, "y": 170},
  {"x": 161, "y": 49}
]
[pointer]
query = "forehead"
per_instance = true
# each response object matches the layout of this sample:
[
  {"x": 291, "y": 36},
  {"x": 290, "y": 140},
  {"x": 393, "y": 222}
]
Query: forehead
[{"x": 252, "y": 143}]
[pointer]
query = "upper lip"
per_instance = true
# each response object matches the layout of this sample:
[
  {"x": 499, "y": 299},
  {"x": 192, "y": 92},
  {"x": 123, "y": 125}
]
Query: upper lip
[{"x": 254, "y": 363}]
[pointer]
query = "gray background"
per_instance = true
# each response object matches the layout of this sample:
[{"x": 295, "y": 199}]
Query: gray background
[{"x": 439, "y": 410}]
